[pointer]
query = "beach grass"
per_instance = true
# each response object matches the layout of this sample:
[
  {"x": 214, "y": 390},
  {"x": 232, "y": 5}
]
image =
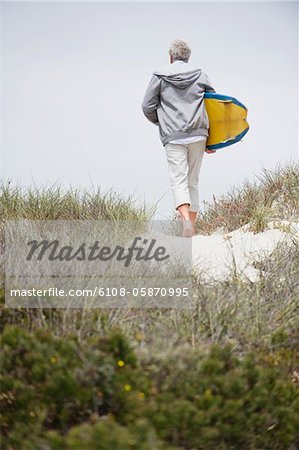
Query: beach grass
[
  {"x": 273, "y": 195},
  {"x": 223, "y": 374}
]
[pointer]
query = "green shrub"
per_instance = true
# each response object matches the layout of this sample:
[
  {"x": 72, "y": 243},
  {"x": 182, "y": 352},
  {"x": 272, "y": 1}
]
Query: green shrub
[
  {"x": 222, "y": 402},
  {"x": 104, "y": 434},
  {"x": 107, "y": 435},
  {"x": 57, "y": 393},
  {"x": 55, "y": 383}
]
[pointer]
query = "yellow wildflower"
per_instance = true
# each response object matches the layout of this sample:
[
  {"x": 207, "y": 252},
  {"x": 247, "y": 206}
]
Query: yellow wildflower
[
  {"x": 139, "y": 336},
  {"x": 141, "y": 396},
  {"x": 208, "y": 393}
]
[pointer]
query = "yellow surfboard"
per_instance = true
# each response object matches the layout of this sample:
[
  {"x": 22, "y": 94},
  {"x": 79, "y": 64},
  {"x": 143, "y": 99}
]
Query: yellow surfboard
[{"x": 227, "y": 118}]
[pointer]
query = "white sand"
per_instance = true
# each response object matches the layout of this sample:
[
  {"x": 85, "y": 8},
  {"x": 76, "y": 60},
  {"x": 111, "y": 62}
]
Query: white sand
[{"x": 217, "y": 256}]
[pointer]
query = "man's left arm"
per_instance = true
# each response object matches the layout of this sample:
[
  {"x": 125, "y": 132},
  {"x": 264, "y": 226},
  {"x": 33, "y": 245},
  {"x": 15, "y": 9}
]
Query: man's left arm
[
  {"x": 206, "y": 83},
  {"x": 151, "y": 100},
  {"x": 208, "y": 88}
]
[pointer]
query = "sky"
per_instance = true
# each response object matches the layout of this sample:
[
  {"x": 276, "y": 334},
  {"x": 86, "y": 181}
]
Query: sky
[{"x": 74, "y": 75}]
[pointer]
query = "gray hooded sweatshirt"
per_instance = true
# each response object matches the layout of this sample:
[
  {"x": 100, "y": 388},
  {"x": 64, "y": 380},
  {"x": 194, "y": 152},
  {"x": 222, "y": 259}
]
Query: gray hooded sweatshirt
[{"x": 174, "y": 101}]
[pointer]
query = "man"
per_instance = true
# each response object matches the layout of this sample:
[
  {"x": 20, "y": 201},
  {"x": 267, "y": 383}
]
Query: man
[{"x": 174, "y": 100}]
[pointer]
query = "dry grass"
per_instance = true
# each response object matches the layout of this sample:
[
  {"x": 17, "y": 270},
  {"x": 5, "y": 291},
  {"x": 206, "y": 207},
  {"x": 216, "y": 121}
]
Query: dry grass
[
  {"x": 75, "y": 204},
  {"x": 275, "y": 195},
  {"x": 238, "y": 311}
]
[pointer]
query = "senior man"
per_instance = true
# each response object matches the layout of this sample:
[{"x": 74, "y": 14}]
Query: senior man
[{"x": 174, "y": 100}]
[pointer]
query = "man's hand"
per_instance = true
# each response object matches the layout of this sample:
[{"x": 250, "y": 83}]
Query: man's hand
[{"x": 210, "y": 151}]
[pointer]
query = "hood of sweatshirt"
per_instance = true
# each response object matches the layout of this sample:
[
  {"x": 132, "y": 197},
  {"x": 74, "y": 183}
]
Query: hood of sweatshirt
[{"x": 179, "y": 74}]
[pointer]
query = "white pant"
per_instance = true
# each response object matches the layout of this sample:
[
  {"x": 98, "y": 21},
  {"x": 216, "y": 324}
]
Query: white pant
[{"x": 184, "y": 162}]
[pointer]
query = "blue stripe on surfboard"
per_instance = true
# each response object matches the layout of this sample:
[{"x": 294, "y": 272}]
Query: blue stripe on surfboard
[
  {"x": 216, "y": 96},
  {"x": 227, "y": 143}
]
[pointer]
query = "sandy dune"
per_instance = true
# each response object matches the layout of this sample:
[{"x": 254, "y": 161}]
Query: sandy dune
[{"x": 217, "y": 256}]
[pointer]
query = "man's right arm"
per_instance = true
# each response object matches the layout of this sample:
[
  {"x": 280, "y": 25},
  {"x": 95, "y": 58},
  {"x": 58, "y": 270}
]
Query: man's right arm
[{"x": 151, "y": 100}]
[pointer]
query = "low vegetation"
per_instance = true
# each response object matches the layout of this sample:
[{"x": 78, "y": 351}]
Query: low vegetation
[
  {"x": 274, "y": 195},
  {"x": 221, "y": 375}
]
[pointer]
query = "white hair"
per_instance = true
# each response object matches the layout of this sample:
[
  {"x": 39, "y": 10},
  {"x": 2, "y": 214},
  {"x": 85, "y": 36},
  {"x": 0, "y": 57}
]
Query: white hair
[{"x": 180, "y": 50}]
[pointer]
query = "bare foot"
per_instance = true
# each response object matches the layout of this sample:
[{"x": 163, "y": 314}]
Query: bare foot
[
  {"x": 193, "y": 216},
  {"x": 188, "y": 229}
]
